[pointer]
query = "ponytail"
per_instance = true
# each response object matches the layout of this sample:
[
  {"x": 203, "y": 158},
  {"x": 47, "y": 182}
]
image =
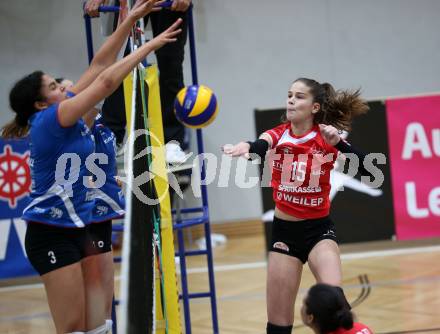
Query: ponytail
[
  {"x": 14, "y": 130},
  {"x": 344, "y": 318},
  {"x": 338, "y": 107}
]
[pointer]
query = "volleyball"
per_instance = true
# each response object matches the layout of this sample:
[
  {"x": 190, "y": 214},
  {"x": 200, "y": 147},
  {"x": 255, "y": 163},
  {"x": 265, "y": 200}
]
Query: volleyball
[{"x": 196, "y": 106}]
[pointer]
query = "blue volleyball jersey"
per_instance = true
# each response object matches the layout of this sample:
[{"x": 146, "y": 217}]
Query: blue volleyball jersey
[
  {"x": 109, "y": 198},
  {"x": 59, "y": 174}
]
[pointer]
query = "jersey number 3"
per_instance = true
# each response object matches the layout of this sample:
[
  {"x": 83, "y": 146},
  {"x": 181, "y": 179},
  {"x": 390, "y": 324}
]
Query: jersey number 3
[{"x": 53, "y": 259}]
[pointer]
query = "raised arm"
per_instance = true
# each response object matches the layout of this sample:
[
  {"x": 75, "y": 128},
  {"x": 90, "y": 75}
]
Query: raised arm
[
  {"x": 71, "y": 110},
  {"x": 109, "y": 51}
]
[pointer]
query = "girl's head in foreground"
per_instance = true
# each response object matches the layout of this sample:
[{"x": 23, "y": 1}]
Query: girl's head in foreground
[{"x": 325, "y": 309}]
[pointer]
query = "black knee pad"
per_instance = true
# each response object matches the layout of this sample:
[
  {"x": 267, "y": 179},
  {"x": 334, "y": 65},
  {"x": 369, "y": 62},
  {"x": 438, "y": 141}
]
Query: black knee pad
[{"x": 275, "y": 329}]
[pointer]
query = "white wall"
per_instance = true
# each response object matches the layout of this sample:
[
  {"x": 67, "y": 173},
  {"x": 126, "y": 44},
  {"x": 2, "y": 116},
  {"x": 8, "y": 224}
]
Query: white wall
[{"x": 249, "y": 52}]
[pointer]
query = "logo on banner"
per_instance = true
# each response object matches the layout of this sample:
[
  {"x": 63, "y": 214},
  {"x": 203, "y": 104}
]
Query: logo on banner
[{"x": 15, "y": 176}]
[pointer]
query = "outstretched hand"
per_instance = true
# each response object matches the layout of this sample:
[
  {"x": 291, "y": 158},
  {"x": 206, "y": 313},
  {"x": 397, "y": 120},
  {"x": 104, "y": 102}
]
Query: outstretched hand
[
  {"x": 330, "y": 134},
  {"x": 144, "y": 7},
  {"x": 240, "y": 149},
  {"x": 167, "y": 36}
]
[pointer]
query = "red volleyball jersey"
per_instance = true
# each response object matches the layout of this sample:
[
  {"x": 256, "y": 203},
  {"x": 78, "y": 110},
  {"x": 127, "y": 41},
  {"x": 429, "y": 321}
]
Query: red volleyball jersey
[
  {"x": 358, "y": 328},
  {"x": 301, "y": 168}
]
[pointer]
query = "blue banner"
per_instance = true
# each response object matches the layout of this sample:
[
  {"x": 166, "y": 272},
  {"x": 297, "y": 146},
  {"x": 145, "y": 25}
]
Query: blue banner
[{"x": 15, "y": 185}]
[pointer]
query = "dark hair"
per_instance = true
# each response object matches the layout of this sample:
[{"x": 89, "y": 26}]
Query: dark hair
[
  {"x": 22, "y": 100},
  {"x": 338, "y": 107},
  {"x": 59, "y": 80},
  {"x": 329, "y": 308}
]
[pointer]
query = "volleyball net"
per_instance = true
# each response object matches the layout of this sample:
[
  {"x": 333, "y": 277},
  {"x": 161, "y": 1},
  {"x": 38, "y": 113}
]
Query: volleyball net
[{"x": 149, "y": 296}]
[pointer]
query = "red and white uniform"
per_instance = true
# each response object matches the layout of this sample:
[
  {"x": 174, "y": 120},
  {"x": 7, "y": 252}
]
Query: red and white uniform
[
  {"x": 358, "y": 328},
  {"x": 301, "y": 168}
]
